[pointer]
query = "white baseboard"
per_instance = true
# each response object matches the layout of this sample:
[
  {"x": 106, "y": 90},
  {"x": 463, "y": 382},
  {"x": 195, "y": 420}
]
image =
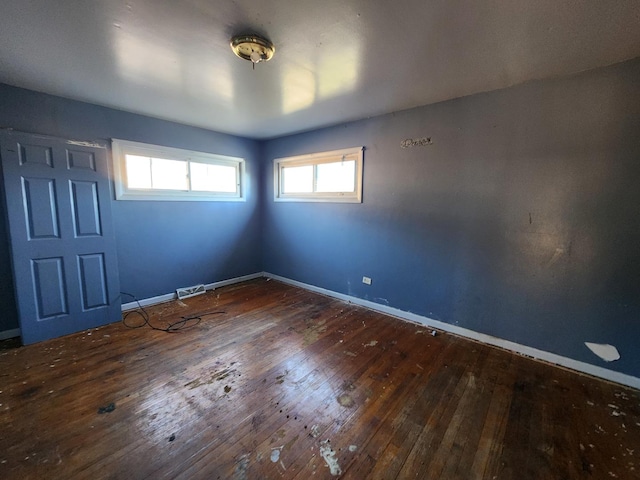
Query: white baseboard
[
  {"x": 154, "y": 300},
  {"x": 172, "y": 296},
  {"x": 9, "y": 333},
  {"x": 231, "y": 281},
  {"x": 566, "y": 362}
]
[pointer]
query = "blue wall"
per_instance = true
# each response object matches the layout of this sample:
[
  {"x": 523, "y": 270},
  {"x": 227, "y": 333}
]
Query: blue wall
[
  {"x": 161, "y": 245},
  {"x": 521, "y": 221}
]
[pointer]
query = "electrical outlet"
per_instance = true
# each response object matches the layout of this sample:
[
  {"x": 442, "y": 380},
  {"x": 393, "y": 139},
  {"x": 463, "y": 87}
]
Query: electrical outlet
[{"x": 366, "y": 280}]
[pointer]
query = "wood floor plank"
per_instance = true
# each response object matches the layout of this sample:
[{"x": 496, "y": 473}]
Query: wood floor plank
[
  {"x": 492, "y": 434},
  {"x": 325, "y": 396},
  {"x": 391, "y": 442},
  {"x": 278, "y": 382},
  {"x": 434, "y": 442}
]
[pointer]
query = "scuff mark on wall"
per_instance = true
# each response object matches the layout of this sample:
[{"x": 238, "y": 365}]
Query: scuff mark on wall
[
  {"x": 606, "y": 352},
  {"x": 556, "y": 256}
]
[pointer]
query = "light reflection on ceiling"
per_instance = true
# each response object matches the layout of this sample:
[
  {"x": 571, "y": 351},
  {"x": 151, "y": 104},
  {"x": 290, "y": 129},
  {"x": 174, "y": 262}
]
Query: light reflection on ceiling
[{"x": 335, "y": 61}]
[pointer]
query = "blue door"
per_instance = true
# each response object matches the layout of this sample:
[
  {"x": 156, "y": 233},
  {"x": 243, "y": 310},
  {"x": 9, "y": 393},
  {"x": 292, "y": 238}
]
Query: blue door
[{"x": 62, "y": 242}]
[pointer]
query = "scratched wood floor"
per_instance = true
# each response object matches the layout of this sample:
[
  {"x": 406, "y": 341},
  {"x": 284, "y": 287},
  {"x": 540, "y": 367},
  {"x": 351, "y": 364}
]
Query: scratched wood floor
[{"x": 290, "y": 384}]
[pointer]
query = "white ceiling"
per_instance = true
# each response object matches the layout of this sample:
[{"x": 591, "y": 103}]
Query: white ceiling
[{"x": 336, "y": 60}]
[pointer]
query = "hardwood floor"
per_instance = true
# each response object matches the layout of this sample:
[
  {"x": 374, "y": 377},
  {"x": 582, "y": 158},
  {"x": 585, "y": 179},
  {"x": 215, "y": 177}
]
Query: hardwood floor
[{"x": 290, "y": 384}]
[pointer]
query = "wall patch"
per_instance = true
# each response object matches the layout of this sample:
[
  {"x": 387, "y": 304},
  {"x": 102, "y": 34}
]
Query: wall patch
[
  {"x": 607, "y": 352},
  {"x": 416, "y": 142}
]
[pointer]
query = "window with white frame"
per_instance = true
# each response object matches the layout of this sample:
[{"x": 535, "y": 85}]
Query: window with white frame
[
  {"x": 152, "y": 172},
  {"x": 334, "y": 176}
]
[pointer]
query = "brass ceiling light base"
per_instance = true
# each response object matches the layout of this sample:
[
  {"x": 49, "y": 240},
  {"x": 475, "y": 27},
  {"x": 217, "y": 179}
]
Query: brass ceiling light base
[{"x": 253, "y": 48}]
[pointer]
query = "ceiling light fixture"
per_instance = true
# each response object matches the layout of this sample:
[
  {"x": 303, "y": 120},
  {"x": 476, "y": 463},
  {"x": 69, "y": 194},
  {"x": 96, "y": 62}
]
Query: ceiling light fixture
[{"x": 253, "y": 48}]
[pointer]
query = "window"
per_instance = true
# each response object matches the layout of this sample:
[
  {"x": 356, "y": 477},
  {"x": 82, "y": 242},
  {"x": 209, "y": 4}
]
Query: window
[
  {"x": 151, "y": 172},
  {"x": 334, "y": 176}
]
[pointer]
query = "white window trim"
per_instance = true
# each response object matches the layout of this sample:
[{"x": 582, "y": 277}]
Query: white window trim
[
  {"x": 354, "y": 153},
  {"x": 122, "y": 147}
]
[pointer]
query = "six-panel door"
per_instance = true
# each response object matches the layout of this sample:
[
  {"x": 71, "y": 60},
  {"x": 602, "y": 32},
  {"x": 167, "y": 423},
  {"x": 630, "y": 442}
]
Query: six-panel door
[{"x": 61, "y": 234}]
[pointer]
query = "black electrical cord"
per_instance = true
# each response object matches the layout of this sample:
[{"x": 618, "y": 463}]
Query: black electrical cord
[{"x": 182, "y": 324}]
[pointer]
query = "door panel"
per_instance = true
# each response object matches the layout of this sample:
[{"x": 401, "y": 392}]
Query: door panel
[
  {"x": 50, "y": 287},
  {"x": 61, "y": 233},
  {"x": 93, "y": 281},
  {"x": 35, "y": 154},
  {"x": 39, "y": 203},
  {"x": 86, "y": 208},
  {"x": 77, "y": 159}
]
